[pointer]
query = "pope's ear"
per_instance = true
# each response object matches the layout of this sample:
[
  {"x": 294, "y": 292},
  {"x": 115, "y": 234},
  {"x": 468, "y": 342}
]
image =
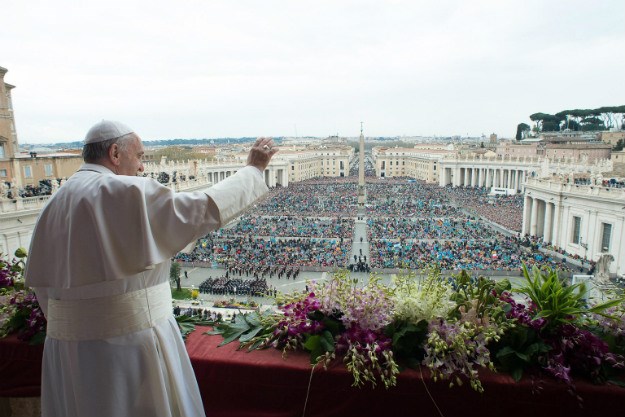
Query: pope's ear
[{"x": 114, "y": 154}]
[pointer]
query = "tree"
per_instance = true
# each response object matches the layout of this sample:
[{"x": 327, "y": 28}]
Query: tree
[
  {"x": 610, "y": 115},
  {"x": 546, "y": 122},
  {"x": 551, "y": 126},
  {"x": 174, "y": 274},
  {"x": 592, "y": 123},
  {"x": 566, "y": 116},
  {"x": 521, "y": 131},
  {"x": 573, "y": 125},
  {"x": 619, "y": 145}
]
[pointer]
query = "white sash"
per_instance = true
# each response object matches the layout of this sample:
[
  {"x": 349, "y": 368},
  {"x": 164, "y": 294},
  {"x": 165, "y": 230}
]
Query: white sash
[{"x": 106, "y": 317}]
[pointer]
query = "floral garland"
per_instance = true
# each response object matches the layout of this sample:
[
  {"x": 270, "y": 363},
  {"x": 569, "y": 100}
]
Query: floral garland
[
  {"x": 452, "y": 326},
  {"x": 232, "y": 303},
  {"x": 19, "y": 309}
]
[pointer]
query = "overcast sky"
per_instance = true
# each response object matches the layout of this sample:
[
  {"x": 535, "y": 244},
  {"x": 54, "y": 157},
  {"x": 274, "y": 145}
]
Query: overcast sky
[{"x": 231, "y": 68}]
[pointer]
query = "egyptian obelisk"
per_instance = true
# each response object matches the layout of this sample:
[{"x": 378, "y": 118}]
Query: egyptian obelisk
[{"x": 361, "y": 175}]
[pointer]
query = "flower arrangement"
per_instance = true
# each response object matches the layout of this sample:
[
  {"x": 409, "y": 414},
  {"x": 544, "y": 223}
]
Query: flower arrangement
[
  {"x": 454, "y": 327},
  {"x": 19, "y": 310},
  {"x": 232, "y": 303}
]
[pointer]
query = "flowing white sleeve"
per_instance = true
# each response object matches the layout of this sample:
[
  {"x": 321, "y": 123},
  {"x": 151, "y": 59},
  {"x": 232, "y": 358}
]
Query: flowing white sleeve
[{"x": 236, "y": 193}]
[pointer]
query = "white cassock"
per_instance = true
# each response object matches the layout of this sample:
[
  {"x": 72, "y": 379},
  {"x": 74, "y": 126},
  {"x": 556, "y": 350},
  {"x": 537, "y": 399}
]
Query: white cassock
[{"x": 99, "y": 263}]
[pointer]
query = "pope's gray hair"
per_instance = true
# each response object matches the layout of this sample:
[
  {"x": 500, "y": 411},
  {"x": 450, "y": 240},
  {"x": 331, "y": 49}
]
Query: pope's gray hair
[{"x": 95, "y": 152}]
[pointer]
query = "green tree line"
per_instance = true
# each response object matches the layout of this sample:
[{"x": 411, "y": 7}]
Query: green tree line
[{"x": 585, "y": 120}]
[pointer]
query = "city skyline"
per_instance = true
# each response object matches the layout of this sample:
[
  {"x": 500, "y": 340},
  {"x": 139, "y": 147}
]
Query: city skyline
[{"x": 207, "y": 69}]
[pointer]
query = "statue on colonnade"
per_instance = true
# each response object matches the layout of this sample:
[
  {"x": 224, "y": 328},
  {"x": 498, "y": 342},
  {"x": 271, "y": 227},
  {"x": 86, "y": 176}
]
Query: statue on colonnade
[{"x": 602, "y": 268}]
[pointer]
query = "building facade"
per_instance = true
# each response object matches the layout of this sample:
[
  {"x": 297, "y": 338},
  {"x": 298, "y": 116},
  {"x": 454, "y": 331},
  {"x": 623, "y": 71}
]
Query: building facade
[
  {"x": 618, "y": 163},
  {"x": 314, "y": 162},
  {"x": 586, "y": 220},
  {"x": 565, "y": 148},
  {"x": 55, "y": 166},
  {"x": 477, "y": 171},
  {"x": 21, "y": 170},
  {"x": 420, "y": 162},
  {"x": 612, "y": 137},
  {"x": 8, "y": 135}
]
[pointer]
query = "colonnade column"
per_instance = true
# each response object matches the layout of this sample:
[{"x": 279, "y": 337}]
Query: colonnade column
[
  {"x": 526, "y": 214},
  {"x": 555, "y": 236},
  {"x": 547, "y": 227},
  {"x": 534, "y": 217}
]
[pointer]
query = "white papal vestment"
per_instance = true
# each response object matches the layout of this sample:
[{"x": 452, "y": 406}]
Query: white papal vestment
[{"x": 99, "y": 263}]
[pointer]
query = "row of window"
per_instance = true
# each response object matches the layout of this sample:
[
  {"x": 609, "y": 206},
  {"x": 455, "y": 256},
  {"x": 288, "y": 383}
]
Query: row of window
[
  {"x": 606, "y": 233},
  {"x": 333, "y": 162},
  {"x": 28, "y": 171}
]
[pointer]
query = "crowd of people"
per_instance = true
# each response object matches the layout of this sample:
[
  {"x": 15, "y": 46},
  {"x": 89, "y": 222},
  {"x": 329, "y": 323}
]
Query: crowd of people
[
  {"x": 506, "y": 211},
  {"x": 258, "y": 254},
  {"x": 11, "y": 191},
  {"x": 256, "y": 287},
  {"x": 207, "y": 314},
  {"x": 320, "y": 197},
  {"x": 410, "y": 224},
  {"x": 292, "y": 226},
  {"x": 403, "y": 197},
  {"x": 503, "y": 254},
  {"x": 355, "y": 165},
  {"x": 603, "y": 182},
  {"x": 262, "y": 270},
  {"x": 428, "y": 228}
]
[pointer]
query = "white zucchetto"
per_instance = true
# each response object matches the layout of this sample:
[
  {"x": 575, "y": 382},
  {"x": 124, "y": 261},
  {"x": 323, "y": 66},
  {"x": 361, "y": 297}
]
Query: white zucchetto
[{"x": 106, "y": 130}]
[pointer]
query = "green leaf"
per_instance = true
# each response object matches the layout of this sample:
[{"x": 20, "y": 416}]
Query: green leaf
[
  {"x": 233, "y": 331},
  {"x": 186, "y": 328},
  {"x": 255, "y": 345},
  {"x": 517, "y": 374},
  {"x": 505, "y": 351},
  {"x": 617, "y": 382},
  {"x": 332, "y": 325},
  {"x": 312, "y": 342},
  {"x": 250, "y": 334},
  {"x": 327, "y": 341},
  {"x": 38, "y": 339},
  {"x": 231, "y": 335},
  {"x": 253, "y": 319},
  {"x": 604, "y": 306}
]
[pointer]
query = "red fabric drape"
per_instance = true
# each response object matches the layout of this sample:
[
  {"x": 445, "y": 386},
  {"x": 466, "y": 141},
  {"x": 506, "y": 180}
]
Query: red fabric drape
[
  {"x": 263, "y": 384},
  {"x": 20, "y": 368}
]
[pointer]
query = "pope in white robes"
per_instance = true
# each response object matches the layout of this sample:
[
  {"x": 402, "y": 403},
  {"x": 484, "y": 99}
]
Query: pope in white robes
[{"x": 99, "y": 263}]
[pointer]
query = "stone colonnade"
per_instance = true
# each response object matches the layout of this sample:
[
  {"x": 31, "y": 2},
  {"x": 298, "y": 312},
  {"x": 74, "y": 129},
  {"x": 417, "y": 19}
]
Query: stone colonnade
[
  {"x": 540, "y": 218},
  {"x": 510, "y": 177},
  {"x": 489, "y": 177},
  {"x": 275, "y": 174}
]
